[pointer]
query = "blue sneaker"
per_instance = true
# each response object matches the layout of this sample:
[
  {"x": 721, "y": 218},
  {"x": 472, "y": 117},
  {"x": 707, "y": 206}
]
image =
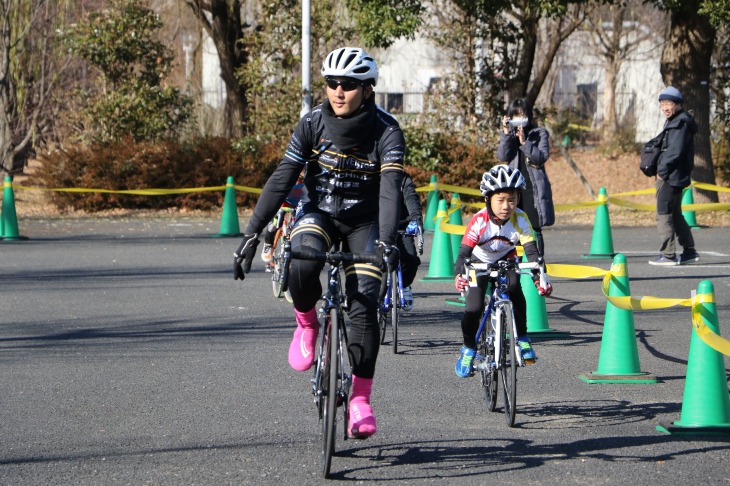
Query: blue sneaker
[
  {"x": 528, "y": 354},
  {"x": 464, "y": 367}
]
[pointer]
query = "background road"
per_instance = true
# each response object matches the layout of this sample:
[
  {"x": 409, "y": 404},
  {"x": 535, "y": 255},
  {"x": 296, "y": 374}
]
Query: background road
[{"x": 128, "y": 355}]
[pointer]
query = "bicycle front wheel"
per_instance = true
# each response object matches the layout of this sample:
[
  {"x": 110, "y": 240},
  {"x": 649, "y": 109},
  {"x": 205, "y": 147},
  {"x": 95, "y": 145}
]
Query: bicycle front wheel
[
  {"x": 382, "y": 321},
  {"x": 278, "y": 260},
  {"x": 395, "y": 299},
  {"x": 330, "y": 395},
  {"x": 509, "y": 365},
  {"x": 488, "y": 372}
]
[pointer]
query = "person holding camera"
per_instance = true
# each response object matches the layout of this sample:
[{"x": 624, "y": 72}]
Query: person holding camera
[{"x": 525, "y": 147}]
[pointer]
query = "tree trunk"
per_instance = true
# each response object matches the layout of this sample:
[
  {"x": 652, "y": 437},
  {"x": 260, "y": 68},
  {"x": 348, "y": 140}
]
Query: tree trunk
[
  {"x": 518, "y": 84},
  {"x": 7, "y": 102},
  {"x": 227, "y": 32},
  {"x": 686, "y": 64}
]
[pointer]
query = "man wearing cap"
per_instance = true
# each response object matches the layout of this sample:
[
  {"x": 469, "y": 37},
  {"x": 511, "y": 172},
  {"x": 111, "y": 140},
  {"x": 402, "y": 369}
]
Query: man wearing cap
[{"x": 673, "y": 175}]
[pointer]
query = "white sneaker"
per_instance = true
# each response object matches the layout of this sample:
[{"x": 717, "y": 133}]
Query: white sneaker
[
  {"x": 267, "y": 253},
  {"x": 407, "y": 298}
]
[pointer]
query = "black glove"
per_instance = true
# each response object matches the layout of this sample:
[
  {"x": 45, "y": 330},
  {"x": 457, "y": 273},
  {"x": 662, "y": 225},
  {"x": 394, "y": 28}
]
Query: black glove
[
  {"x": 245, "y": 253},
  {"x": 389, "y": 254}
]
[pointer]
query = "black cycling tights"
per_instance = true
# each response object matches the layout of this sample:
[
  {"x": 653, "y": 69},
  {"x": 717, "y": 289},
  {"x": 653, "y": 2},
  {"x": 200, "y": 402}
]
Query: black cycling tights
[
  {"x": 319, "y": 232},
  {"x": 475, "y": 308}
]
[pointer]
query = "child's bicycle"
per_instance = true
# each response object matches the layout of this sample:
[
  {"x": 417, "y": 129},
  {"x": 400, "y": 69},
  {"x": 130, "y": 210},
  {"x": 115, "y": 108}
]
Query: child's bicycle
[
  {"x": 497, "y": 348},
  {"x": 332, "y": 371},
  {"x": 285, "y": 221}
]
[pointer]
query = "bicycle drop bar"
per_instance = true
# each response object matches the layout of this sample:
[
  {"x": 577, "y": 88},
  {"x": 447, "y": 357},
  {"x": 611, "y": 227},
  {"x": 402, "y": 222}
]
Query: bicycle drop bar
[{"x": 337, "y": 257}]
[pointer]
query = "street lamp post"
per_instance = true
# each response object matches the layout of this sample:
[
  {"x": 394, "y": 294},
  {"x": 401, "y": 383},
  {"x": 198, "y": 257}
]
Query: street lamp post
[{"x": 306, "y": 56}]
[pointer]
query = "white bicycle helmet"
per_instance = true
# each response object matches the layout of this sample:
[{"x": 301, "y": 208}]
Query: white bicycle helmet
[
  {"x": 351, "y": 62},
  {"x": 501, "y": 177}
]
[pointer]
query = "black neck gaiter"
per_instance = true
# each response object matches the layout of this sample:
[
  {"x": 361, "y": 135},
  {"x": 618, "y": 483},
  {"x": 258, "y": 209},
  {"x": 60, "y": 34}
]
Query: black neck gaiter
[{"x": 352, "y": 131}]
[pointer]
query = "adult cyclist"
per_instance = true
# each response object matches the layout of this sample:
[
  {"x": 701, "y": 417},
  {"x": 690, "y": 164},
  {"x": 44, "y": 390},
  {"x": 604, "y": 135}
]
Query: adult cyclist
[{"x": 353, "y": 155}]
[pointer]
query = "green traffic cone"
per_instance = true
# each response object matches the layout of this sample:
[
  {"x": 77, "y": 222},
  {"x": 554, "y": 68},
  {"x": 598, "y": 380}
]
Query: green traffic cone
[
  {"x": 689, "y": 216},
  {"x": 455, "y": 218},
  {"x": 441, "y": 266},
  {"x": 618, "y": 361},
  {"x": 706, "y": 403},
  {"x": 8, "y": 219},
  {"x": 601, "y": 242},
  {"x": 537, "y": 317},
  {"x": 229, "y": 218},
  {"x": 432, "y": 205}
]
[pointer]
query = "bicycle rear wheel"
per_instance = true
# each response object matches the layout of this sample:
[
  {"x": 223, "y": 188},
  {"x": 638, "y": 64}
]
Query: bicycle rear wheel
[
  {"x": 509, "y": 365},
  {"x": 395, "y": 300},
  {"x": 330, "y": 395},
  {"x": 278, "y": 259},
  {"x": 490, "y": 380}
]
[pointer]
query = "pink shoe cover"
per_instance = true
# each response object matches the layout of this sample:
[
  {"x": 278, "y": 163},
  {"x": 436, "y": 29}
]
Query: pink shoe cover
[
  {"x": 301, "y": 349},
  {"x": 362, "y": 420}
]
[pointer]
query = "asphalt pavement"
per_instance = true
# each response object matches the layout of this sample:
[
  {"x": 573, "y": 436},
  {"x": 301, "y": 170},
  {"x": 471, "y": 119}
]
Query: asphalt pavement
[{"x": 129, "y": 355}]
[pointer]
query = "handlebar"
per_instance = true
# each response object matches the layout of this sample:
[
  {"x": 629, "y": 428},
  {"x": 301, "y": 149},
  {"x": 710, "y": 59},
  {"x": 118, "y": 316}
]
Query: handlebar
[
  {"x": 336, "y": 257},
  {"x": 495, "y": 268}
]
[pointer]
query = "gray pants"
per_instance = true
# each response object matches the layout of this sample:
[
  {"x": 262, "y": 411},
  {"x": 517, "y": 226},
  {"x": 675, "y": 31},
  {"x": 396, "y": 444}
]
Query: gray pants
[{"x": 669, "y": 219}]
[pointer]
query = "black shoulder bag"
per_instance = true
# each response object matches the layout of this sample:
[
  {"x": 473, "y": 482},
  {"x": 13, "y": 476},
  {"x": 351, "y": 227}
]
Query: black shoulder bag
[{"x": 650, "y": 155}]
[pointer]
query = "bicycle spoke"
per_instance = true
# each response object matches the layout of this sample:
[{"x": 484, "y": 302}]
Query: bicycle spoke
[{"x": 489, "y": 375}]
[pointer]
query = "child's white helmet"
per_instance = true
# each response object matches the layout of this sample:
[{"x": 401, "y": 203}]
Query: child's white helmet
[{"x": 501, "y": 177}]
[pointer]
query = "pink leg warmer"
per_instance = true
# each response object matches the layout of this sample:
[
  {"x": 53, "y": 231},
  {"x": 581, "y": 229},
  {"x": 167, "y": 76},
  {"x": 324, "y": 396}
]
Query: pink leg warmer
[
  {"x": 362, "y": 420},
  {"x": 301, "y": 349}
]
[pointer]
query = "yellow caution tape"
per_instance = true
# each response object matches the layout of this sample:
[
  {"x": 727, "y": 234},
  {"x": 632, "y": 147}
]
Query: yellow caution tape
[
  {"x": 141, "y": 192},
  {"x": 710, "y": 187},
  {"x": 708, "y": 336},
  {"x": 634, "y": 193},
  {"x": 632, "y": 205},
  {"x": 579, "y": 205},
  {"x": 562, "y": 270}
]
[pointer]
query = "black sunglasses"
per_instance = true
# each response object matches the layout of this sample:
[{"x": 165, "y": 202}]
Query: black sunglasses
[{"x": 346, "y": 84}]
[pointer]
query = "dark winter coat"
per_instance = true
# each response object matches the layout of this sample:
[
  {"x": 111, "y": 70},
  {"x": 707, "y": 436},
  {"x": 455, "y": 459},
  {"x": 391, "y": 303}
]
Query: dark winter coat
[
  {"x": 678, "y": 153},
  {"x": 532, "y": 156}
]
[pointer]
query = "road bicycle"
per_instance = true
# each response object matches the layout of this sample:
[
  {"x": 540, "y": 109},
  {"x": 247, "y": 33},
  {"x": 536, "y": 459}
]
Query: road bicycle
[
  {"x": 391, "y": 296},
  {"x": 498, "y": 352},
  {"x": 285, "y": 222},
  {"x": 332, "y": 371}
]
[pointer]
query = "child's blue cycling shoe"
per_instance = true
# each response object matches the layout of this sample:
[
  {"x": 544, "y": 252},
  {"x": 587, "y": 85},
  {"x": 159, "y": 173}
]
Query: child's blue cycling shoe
[
  {"x": 464, "y": 367},
  {"x": 528, "y": 354}
]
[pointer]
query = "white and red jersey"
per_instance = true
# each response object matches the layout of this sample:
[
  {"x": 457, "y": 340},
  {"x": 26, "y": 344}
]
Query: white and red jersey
[{"x": 491, "y": 242}]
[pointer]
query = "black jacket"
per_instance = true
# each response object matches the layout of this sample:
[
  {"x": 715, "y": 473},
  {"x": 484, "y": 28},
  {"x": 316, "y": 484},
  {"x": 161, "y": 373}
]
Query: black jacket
[
  {"x": 678, "y": 150},
  {"x": 363, "y": 181}
]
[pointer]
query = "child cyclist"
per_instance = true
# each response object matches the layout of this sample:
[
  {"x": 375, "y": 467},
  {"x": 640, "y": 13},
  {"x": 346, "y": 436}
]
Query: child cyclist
[{"x": 491, "y": 236}]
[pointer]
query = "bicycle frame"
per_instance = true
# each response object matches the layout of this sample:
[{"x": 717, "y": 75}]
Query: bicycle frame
[
  {"x": 388, "y": 303},
  {"x": 283, "y": 226},
  {"x": 493, "y": 312},
  {"x": 499, "y": 297}
]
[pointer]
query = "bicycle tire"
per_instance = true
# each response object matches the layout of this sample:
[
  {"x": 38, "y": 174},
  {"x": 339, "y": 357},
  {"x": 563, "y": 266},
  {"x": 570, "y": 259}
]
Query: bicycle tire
[
  {"x": 278, "y": 259},
  {"x": 395, "y": 300},
  {"x": 382, "y": 322},
  {"x": 490, "y": 380},
  {"x": 329, "y": 423},
  {"x": 509, "y": 365}
]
